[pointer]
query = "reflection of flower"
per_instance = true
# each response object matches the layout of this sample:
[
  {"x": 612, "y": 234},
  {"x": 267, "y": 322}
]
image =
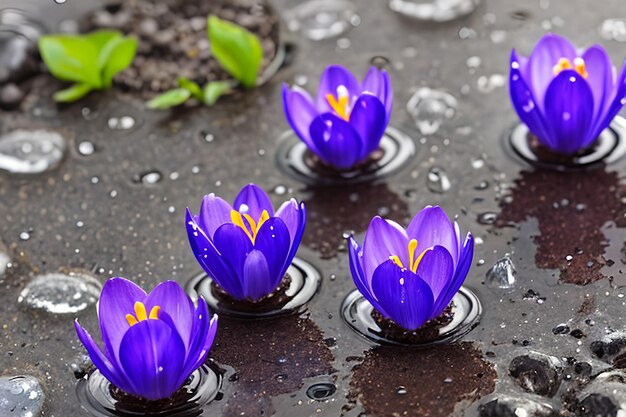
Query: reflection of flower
[
  {"x": 246, "y": 248},
  {"x": 408, "y": 285},
  {"x": 565, "y": 98},
  {"x": 152, "y": 343},
  {"x": 346, "y": 123}
]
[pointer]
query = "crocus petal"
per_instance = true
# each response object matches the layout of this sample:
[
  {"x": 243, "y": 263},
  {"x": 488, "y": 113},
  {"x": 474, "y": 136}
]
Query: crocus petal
[
  {"x": 210, "y": 259},
  {"x": 615, "y": 105},
  {"x": 234, "y": 245},
  {"x": 294, "y": 216},
  {"x": 273, "y": 242},
  {"x": 384, "y": 238},
  {"x": 358, "y": 276},
  {"x": 524, "y": 102},
  {"x": 600, "y": 78},
  {"x": 430, "y": 227},
  {"x": 406, "y": 297},
  {"x": 300, "y": 112},
  {"x": 117, "y": 299},
  {"x": 214, "y": 212},
  {"x": 378, "y": 83},
  {"x": 333, "y": 77},
  {"x": 569, "y": 108},
  {"x": 152, "y": 354},
  {"x": 106, "y": 368},
  {"x": 462, "y": 269},
  {"x": 253, "y": 200},
  {"x": 542, "y": 60},
  {"x": 369, "y": 120},
  {"x": 289, "y": 214},
  {"x": 436, "y": 269},
  {"x": 256, "y": 280},
  {"x": 205, "y": 328},
  {"x": 337, "y": 142},
  {"x": 173, "y": 300}
]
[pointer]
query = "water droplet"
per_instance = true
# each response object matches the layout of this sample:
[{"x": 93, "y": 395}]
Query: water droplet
[
  {"x": 437, "y": 180},
  {"x": 561, "y": 329},
  {"x": 401, "y": 390},
  {"x": 280, "y": 190},
  {"x": 5, "y": 261},
  {"x": 24, "y": 236},
  {"x": 280, "y": 378},
  {"x": 486, "y": 84},
  {"x": 433, "y": 10},
  {"x": 488, "y": 217},
  {"x": 207, "y": 136},
  {"x": 322, "y": 19},
  {"x": 498, "y": 36},
  {"x": 31, "y": 151},
  {"x": 22, "y": 396},
  {"x": 61, "y": 293},
  {"x": 86, "y": 148},
  {"x": 60, "y": 1},
  {"x": 502, "y": 274},
  {"x": 483, "y": 185},
  {"x": 343, "y": 43},
  {"x": 473, "y": 62},
  {"x": 430, "y": 107},
  {"x": 614, "y": 30},
  {"x": 321, "y": 391},
  {"x": 121, "y": 123},
  {"x": 149, "y": 177},
  {"x": 380, "y": 62}
]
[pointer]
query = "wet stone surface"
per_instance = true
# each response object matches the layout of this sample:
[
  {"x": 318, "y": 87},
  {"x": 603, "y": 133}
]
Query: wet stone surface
[{"x": 103, "y": 208}]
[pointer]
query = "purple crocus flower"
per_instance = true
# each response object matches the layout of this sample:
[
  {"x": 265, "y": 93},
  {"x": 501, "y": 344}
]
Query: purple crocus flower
[
  {"x": 246, "y": 248},
  {"x": 566, "y": 97},
  {"x": 152, "y": 343},
  {"x": 347, "y": 121},
  {"x": 410, "y": 276}
]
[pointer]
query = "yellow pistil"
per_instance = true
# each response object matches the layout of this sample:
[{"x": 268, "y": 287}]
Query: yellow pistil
[
  {"x": 413, "y": 261},
  {"x": 341, "y": 104},
  {"x": 237, "y": 219},
  {"x": 566, "y": 64},
  {"x": 141, "y": 314}
]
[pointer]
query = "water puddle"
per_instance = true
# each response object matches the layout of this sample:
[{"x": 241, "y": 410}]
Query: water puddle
[
  {"x": 303, "y": 283},
  {"x": 434, "y": 10},
  {"x": 101, "y": 399},
  {"x": 465, "y": 310},
  {"x": 294, "y": 159},
  {"x": 21, "y": 396},
  {"x": 608, "y": 148},
  {"x": 59, "y": 293},
  {"x": 322, "y": 19},
  {"x": 31, "y": 151},
  {"x": 430, "y": 107}
]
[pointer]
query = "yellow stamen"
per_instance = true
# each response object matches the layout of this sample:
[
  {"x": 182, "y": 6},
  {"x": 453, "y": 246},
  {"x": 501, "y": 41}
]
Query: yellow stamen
[
  {"x": 396, "y": 260},
  {"x": 141, "y": 314},
  {"x": 154, "y": 313},
  {"x": 339, "y": 106},
  {"x": 413, "y": 261},
  {"x": 566, "y": 64},
  {"x": 237, "y": 219},
  {"x": 140, "y": 311}
]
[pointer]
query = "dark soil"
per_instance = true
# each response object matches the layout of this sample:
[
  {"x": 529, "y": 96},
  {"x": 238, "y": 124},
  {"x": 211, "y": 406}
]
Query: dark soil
[
  {"x": 571, "y": 211},
  {"x": 273, "y": 301},
  {"x": 270, "y": 357},
  {"x": 173, "y": 38},
  {"x": 545, "y": 154},
  {"x": 324, "y": 170},
  {"x": 425, "y": 382},
  {"x": 428, "y": 332},
  {"x": 351, "y": 209}
]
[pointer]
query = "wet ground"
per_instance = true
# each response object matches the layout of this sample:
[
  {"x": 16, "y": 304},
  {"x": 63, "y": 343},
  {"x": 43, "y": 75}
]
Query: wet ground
[{"x": 549, "y": 340}]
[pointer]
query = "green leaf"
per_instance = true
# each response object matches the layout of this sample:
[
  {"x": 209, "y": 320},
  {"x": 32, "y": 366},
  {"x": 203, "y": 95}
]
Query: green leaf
[
  {"x": 71, "y": 58},
  {"x": 115, "y": 56},
  {"x": 101, "y": 37},
  {"x": 214, "y": 90},
  {"x": 192, "y": 87},
  {"x": 75, "y": 92},
  {"x": 169, "y": 99},
  {"x": 237, "y": 50}
]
